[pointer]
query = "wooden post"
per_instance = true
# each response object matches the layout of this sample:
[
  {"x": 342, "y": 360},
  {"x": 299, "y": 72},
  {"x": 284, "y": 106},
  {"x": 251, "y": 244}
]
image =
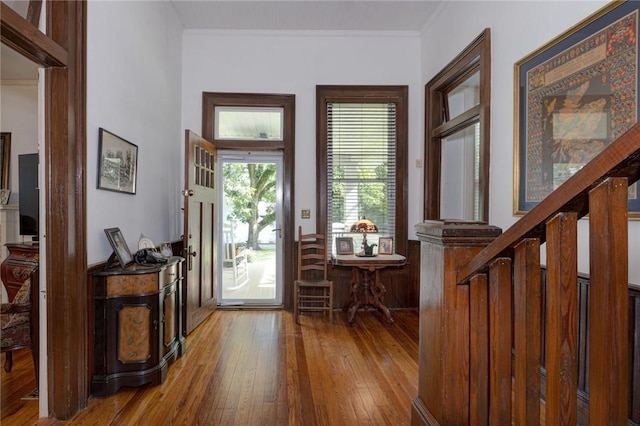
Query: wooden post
[
  {"x": 443, "y": 378},
  {"x": 609, "y": 304}
]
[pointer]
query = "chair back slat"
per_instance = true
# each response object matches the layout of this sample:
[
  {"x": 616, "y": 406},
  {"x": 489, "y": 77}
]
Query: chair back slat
[
  {"x": 312, "y": 291},
  {"x": 312, "y": 255}
]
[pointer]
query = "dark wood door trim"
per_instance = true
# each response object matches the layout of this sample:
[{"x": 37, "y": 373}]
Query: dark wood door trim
[
  {"x": 66, "y": 227},
  {"x": 62, "y": 51},
  {"x": 288, "y": 102},
  {"x": 23, "y": 37}
]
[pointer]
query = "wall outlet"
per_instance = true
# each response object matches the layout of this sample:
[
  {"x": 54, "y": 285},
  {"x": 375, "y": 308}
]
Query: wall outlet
[{"x": 305, "y": 213}]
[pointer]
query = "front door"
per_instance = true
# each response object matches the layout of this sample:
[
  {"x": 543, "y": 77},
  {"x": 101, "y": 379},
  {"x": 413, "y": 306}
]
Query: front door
[
  {"x": 199, "y": 230},
  {"x": 249, "y": 228}
]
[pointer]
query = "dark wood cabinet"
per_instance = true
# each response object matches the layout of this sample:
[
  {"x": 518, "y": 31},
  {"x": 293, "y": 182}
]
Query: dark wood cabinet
[
  {"x": 22, "y": 260},
  {"x": 138, "y": 323}
]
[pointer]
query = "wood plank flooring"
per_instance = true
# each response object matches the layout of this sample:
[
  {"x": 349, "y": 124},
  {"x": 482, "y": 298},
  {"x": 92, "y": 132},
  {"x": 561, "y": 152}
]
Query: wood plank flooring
[
  {"x": 16, "y": 385},
  {"x": 260, "y": 368}
]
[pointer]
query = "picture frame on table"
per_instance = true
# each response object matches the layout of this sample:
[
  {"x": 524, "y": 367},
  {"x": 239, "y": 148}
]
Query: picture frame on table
[
  {"x": 573, "y": 97},
  {"x": 385, "y": 245},
  {"x": 344, "y": 245},
  {"x": 117, "y": 163},
  {"x": 119, "y": 246}
]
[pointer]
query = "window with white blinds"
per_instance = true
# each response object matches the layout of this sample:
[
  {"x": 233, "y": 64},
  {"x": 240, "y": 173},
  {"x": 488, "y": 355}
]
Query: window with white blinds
[{"x": 361, "y": 167}]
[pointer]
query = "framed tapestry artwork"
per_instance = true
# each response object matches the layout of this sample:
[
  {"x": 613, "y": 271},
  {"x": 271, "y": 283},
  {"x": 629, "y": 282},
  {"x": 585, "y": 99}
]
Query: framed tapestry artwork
[
  {"x": 573, "y": 97},
  {"x": 118, "y": 163}
]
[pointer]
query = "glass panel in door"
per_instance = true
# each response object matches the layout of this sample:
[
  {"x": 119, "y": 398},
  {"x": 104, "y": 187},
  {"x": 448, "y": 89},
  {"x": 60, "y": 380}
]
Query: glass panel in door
[{"x": 250, "y": 243}]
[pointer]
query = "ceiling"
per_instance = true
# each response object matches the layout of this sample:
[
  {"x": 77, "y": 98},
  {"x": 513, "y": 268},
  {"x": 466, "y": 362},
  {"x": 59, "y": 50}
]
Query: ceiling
[
  {"x": 313, "y": 15},
  {"x": 260, "y": 15}
]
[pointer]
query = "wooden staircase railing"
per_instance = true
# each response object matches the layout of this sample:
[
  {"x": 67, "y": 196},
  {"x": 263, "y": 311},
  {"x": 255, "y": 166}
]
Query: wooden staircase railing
[{"x": 481, "y": 307}]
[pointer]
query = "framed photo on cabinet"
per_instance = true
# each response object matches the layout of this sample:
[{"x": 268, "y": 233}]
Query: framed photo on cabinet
[{"x": 119, "y": 246}]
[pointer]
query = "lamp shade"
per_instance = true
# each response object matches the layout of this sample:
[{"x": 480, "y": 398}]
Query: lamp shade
[{"x": 364, "y": 225}]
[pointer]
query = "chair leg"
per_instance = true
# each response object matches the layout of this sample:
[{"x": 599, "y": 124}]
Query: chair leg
[{"x": 8, "y": 361}]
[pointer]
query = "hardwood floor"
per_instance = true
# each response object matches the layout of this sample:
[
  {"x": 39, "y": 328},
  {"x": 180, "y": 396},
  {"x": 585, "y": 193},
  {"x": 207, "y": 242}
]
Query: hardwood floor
[
  {"x": 16, "y": 385},
  {"x": 259, "y": 368}
]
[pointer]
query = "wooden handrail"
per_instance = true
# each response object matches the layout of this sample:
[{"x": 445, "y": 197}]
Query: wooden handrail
[
  {"x": 620, "y": 159},
  {"x": 487, "y": 322}
]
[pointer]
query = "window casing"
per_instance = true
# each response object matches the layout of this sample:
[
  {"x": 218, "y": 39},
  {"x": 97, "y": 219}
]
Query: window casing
[
  {"x": 457, "y": 113},
  {"x": 362, "y": 161}
]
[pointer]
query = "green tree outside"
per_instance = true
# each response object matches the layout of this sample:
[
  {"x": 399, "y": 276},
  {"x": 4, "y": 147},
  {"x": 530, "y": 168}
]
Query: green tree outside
[{"x": 247, "y": 186}]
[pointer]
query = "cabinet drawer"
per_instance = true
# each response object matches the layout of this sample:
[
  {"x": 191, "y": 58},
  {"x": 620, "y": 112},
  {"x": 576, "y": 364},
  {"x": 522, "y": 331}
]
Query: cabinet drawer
[
  {"x": 170, "y": 274},
  {"x": 119, "y": 285}
]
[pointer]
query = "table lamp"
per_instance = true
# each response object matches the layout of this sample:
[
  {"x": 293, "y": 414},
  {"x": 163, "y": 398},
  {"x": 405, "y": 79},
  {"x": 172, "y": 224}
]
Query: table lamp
[{"x": 364, "y": 225}]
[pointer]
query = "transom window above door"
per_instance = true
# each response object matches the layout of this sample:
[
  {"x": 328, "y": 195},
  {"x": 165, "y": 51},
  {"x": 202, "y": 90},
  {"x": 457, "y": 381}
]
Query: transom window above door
[{"x": 249, "y": 123}]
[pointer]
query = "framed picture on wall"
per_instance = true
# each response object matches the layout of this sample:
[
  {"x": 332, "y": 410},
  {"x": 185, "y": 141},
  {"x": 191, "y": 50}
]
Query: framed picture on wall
[
  {"x": 117, "y": 163},
  {"x": 574, "y": 97}
]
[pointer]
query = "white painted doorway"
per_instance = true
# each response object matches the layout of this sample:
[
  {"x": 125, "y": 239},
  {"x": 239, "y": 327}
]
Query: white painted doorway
[{"x": 249, "y": 228}]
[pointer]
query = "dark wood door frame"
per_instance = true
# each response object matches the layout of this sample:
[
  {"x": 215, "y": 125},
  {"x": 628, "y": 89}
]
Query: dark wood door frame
[
  {"x": 288, "y": 102},
  {"x": 62, "y": 52}
]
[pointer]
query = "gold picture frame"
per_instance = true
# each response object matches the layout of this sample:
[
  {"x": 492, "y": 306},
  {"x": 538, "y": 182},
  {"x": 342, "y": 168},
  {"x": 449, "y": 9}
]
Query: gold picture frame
[{"x": 573, "y": 97}]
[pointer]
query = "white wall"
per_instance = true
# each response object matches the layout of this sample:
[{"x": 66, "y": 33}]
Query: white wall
[
  {"x": 517, "y": 29},
  {"x": 19, "y": 116},
  {"x": 294, "y": 63},
  {"x": 133, "y": 90}
]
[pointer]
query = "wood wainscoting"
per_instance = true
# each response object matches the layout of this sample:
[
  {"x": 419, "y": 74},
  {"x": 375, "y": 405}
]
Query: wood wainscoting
[{"x": 583, "y": 345}]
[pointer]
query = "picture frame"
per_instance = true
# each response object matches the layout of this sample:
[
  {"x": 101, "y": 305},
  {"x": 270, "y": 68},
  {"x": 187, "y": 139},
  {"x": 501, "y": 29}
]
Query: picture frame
[
  {"x": 117, "y": 163},
  {"x": 344, "y": 245},
  {"x": 119, "y": 246},
  {"x": 385, "y": 245},
  {"x": 5, "y": 160},
  {"x": 4, "y": 196},
  {"x": 573, "y": 97}
]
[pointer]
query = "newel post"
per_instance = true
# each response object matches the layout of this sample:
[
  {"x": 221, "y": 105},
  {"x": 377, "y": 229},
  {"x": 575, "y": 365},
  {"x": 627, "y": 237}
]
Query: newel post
[{"x": 443, "y": 375}]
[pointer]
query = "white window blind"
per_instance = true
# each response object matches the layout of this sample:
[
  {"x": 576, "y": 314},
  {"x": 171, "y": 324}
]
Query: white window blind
[{"x": 361, "y": 168}]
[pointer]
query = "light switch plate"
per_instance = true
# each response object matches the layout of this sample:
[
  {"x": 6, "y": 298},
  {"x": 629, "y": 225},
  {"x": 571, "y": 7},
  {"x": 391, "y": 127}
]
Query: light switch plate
[{"x": 305, "y": 213}]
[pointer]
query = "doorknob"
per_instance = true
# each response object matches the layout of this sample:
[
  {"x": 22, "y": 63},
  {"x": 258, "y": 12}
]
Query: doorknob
[
  {"x": 190, "y": 255},
  {"x": 187, "y": 192},
  {"x": 279, "y": 231}
]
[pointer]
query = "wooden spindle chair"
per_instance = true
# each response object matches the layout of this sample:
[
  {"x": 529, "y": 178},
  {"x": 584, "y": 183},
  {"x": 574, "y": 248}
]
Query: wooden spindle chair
[{"x": 313, "y": 291}]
